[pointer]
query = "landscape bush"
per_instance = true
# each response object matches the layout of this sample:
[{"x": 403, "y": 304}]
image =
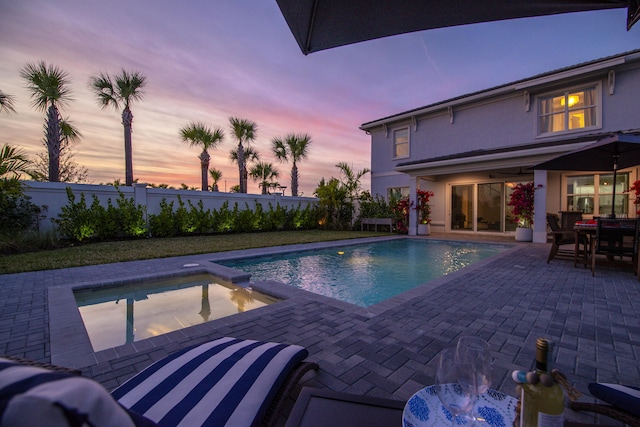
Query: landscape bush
[{"x": 124, "y": 219}]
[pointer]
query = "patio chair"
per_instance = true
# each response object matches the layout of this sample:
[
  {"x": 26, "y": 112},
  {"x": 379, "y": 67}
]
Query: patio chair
[
  {"x": 616, "y": 238},
  {"x": 562, "y": 237},
  {"x": 224, "y": 382}
]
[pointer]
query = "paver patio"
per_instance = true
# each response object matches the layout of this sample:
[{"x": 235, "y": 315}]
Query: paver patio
[{"x": 385, "y": 350}]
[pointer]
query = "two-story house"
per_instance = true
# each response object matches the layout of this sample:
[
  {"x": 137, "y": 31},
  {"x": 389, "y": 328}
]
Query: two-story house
[{"x": 471, "y": 150}]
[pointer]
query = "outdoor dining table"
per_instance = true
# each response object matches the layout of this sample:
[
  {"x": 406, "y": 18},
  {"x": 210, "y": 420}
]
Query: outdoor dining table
[{"x": 588, "y": 229}]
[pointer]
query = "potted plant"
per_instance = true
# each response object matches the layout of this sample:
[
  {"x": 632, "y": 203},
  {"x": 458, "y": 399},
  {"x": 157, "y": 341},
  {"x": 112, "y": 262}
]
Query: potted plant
[
  {"x": 423, "y": 208},
  {"x": 521, "y": 200}
]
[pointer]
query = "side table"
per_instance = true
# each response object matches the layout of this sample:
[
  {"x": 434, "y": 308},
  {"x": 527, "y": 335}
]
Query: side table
[{"x": 320, "y": 408}]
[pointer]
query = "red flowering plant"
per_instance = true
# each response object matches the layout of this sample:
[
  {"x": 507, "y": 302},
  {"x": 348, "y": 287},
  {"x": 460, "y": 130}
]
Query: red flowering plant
[
  {"x": 521, "y": 200},
  {"x": 636, "y": 188},
  {"x": 422, "y": 206},
  {"x": 401, "y": 210}
]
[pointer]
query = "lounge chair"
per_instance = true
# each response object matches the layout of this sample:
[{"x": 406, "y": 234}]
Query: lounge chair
[
  {"x": 622, "y": 402},
  {"x": 563, "y": 237},
  {"x": 224, "y": 382}
]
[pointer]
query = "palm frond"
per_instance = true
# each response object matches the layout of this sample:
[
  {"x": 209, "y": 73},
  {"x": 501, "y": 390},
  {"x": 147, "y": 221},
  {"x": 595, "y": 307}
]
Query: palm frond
[
  {"x": 7, "y": 102},
  {"x": 13, "y": 161},
  {"x": 130, "y": 86},
  {"x": 102, "y": 85},
  {"x": 48, "y": 85}
]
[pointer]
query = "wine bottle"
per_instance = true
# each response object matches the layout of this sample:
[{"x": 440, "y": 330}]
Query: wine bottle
[{"x": 541, "y": 399}]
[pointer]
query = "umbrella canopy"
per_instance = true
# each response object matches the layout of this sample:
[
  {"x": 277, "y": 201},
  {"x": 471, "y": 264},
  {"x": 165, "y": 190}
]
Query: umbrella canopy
[
  {"x": 324, "y": 24},
  {"x": 618, "y": 151}
]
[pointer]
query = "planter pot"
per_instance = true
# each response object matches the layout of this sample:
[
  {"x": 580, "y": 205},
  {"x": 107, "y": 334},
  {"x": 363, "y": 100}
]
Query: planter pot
[
  {"x": 424, "y": 229},
  {"x": 524, "y": 234}
]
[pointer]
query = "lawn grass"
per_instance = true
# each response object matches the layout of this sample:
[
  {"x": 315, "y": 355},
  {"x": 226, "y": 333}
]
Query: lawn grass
[{"x": 131, "y": 250}]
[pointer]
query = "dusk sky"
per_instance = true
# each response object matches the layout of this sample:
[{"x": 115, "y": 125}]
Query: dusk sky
[{"x": 209, "y": 60}]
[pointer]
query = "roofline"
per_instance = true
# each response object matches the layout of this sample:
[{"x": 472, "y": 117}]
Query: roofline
[
  {"x": 550, "y": 76},
  {"x": 543, "y": 149}
]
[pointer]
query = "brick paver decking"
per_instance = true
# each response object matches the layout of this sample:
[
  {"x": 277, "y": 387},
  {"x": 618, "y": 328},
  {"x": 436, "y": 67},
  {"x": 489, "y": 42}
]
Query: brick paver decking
[{"x": 386, "y": 350}]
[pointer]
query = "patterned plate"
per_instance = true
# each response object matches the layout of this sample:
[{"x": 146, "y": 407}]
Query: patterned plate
[{"x": 425, "y": 410}]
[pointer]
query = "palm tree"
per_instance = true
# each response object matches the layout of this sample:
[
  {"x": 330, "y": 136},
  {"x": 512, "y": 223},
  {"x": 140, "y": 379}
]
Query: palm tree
[
  {"x": 49, "y": 89},
  {"x": 292, "y": 148},
  {"x": 351, "y": 179},
  {"x": 68, "y": 169},
  {"x": 245, "y": 132},
  {"x": 251, "y": 155},
  {"x": 6, "y": 102},
  {"x": 264, "y": 173},
  {"x": 215, "y": 175},
  {"x": 13, "y": 162},
  {"x": 199, "y": 134},
  {"x": 116, "y": 91}
]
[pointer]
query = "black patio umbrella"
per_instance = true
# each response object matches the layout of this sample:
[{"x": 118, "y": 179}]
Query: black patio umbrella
[
  {"x": 324, "y": 24},
  {"x": 618, "y": 151}
]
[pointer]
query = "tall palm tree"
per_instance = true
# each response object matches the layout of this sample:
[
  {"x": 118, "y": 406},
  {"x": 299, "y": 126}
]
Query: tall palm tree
[
  {"x": 117, "y": 91},
  {"x": 49, "y": 89},
  {"x": 7, "y": 102},
  {"x": 251, "y": 155},
  {"x": 200, "y": 135},
  {"x": 245, "y": 132},
  {"x": 265, "y": 173},
  {"x": 292, "y": 148},
  {"x": 215, "y": 175},
  {"x": 69, "y": 170}
]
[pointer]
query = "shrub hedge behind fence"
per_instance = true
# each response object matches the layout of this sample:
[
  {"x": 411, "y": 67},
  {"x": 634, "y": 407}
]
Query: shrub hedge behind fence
[{"x": 80, "y": 221}]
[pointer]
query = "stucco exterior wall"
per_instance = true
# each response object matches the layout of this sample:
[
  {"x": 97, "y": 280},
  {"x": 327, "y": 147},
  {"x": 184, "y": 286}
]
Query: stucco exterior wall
[{"x": 500, "y": 122}]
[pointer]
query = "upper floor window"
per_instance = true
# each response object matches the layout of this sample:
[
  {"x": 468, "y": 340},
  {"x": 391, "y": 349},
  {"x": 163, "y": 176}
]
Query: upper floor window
[
  {"x": 570, "y": 110},
  {"x": 401, "y": 143}
]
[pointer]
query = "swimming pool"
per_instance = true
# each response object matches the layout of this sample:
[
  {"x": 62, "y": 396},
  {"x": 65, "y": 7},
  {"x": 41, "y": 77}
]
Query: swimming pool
[
  {"x": 366, "y": 274},
  {"x": 117, "y": 315}
]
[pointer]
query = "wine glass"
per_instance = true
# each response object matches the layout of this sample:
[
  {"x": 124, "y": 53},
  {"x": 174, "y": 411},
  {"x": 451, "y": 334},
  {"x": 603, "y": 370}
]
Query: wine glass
[
  {"x": 475, "y": 351},
  {"x": 454, "y": 384}
]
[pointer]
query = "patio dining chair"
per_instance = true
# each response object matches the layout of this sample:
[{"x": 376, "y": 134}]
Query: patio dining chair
[
  {"x": 616, "y": 238},
  {"x": 563, "y": 237},
  {"x": 224, "y": 382}
]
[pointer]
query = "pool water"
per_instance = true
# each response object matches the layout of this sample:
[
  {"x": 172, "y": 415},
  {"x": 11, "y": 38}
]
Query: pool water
[
  {"x": 115, "y": 316},
  {"x": 366, "y": 274}
]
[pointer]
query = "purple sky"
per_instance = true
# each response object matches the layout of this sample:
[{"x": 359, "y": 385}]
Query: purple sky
[{"x": 209, "y": 60}]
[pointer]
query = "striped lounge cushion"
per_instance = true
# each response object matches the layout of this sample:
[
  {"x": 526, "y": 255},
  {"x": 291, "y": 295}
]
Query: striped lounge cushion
[
  {"x": 225, "y": 382},
  {"x": 32, "y": 396}
]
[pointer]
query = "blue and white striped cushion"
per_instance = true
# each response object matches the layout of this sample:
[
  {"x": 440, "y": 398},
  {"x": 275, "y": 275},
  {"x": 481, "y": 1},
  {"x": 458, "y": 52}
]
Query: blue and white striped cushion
[
  {"x": 227, "y": 381},
  {"x": 31, "y": 396}
]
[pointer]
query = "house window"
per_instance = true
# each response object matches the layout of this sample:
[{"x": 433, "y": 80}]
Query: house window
[
  {"x": 593, "y": 194},
  {"x": 401, "y": 143},
  {"x": 568, "y": 111},
  {"x": 397, "y": 193}
]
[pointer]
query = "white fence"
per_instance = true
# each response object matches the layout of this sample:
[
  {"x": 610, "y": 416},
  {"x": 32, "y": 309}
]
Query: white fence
[{"x": 53, "y": 196}]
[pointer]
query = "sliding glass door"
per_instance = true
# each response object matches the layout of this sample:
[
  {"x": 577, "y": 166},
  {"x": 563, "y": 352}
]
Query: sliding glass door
[{"x": 478, "y": 207}]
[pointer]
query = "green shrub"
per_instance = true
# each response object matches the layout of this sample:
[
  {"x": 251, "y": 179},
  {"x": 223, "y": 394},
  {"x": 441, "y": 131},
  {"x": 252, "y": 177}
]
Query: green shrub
[
  {"x": 163, "y": 224},
  {"x": 130, "y": 217},
  {"x": 17, "y": 213},
  {"x": 76, "y": 221},
  {"x": 223, "y": 221},
  {"x": 202, "y": 219}
]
